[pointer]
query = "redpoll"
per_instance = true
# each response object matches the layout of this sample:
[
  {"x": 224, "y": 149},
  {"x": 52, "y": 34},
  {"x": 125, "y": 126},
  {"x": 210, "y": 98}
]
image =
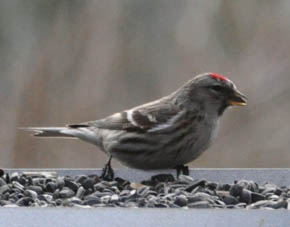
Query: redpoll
[{"x": 166, "y": 133}]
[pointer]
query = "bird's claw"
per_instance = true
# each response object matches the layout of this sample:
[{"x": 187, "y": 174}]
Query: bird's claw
[
  {"x": 108, "y": 172},
  {"x": 182, "y": 169}
]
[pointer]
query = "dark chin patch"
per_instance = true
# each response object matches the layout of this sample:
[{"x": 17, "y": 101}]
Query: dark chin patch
[{"x": 222, "y": 109}]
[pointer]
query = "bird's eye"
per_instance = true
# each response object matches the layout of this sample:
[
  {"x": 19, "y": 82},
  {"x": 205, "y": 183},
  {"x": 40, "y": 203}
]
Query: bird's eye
[{"x": 216, "y": 88}]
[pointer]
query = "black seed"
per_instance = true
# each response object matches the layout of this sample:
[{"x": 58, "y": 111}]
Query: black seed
[
  {"x": 224, "y": 187},
  {"x": 81, "y": 178},
  {"x": 88, "y": 183},
  {"x": 29, "y": 181},
  {"x": 195, "y": 184},
  {"x": 58, "y": 202},
  {"x": 253, "y": 186},
  {"x": 46, "y": 197},
  {"x": 14, "y": 176},
  {"x": 51, "y": 187},
  {"x": 18, "y": 186},
  {"x": 162, "y": 178},
  {"x": 31, "y": 194},
  {"x": 212, "y": 186},
  {"x": 95, "y": 178},
  {"x": 37, "y": 189},
  {"x": 143, "y": 191},
  {"x": 25, "y": 201},
  {"x": 7, "y": 178},
  {"x": 230, "y": 200},
  {"x": 56, "y": 194},
  {"x": 4, "y": 202},
  {"x": 141, "y": 202},
  {"x": 2, "y": 182},
  {"x": 42, "y": 190},
  {"x": 236, "y": 190},
  {"x": 147, "y": 182},
  {"x": 246, "y": 196},
  {"x": 243, "y": 183},
  {"x": 257, "y": 197},
  {"x": 71, "y": 202},
  {"x": 70, "y": 184},
  {"x": 181, "y": 200},
  {"x": 161, "y": 188},
  {"x": 3, "y": 189},
  {"x": 1, "y": 172},
  {"x": 197, "y": 197},
  {"x": 185, "y": 178},
  {"x": 92, "y": 201},
  {"x": 278, "y": 192},
  {"x": 39, "y": 181},
  {"x": 60, "y": 183},
  {"x": 80, "y": 192},
  {"x": 23, "y": 180},
  {"x": 161, "y": 205},
  {"x": 66, "y": 193},
  {"x": 122, "y": 183}
]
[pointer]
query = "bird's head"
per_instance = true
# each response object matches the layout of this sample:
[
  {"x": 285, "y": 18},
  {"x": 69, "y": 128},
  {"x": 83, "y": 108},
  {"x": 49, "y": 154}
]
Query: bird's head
[{"x": 212, "y": 92}]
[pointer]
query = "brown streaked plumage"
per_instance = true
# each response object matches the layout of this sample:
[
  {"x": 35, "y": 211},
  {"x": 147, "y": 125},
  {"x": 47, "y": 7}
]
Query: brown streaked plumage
[{"x": 165, "y": 133}]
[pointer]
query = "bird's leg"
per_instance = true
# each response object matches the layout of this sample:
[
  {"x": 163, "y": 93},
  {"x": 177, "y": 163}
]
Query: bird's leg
[
  {"x": 182, "y": 169},
  {"x": 108, "y": 172}
]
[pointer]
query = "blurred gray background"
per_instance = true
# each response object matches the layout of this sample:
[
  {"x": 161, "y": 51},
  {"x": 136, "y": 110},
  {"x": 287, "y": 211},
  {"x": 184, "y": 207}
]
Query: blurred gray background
[{"x": 69, "y": 61}]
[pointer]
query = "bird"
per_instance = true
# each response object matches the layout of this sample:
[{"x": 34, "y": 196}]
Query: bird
[{"x": 167, "y": 133}]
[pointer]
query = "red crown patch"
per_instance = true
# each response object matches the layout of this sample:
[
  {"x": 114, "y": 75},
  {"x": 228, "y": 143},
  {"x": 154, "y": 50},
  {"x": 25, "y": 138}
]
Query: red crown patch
[{"x": 217, "y": 77}]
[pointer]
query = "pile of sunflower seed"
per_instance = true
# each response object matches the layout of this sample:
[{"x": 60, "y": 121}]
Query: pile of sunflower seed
[{"x": 163, "y": 191}]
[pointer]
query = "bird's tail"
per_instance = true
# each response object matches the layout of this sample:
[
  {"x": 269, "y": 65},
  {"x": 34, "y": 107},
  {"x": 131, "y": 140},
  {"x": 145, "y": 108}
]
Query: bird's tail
[{"x": 51, "y": 131}]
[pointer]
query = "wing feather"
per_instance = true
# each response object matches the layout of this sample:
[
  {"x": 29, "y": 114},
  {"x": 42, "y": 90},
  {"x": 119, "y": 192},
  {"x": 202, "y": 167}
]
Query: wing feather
[{"x": 148, "y": 117}]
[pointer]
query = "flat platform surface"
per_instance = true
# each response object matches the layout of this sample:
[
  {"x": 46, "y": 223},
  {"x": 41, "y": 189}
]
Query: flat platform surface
[
  {"x": 16, "y": 217},
  {"x": 99, "y": 217}
]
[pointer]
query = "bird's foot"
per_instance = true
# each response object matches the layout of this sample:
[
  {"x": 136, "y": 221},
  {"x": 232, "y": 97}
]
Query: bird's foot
[
  {"x": 182, "y": 169},
  {"x": 108, "y": 172}
]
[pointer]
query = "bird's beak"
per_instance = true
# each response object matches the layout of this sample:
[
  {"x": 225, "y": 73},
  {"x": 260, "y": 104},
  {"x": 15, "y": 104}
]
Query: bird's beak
[{"x": 237, "y": 99}]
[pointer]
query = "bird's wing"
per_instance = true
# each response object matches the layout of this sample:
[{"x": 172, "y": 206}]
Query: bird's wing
[{"x": 148, "y": 117}]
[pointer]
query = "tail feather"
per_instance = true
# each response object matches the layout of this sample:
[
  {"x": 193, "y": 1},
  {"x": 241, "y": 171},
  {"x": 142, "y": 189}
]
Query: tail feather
[{"x": 49, "y": 131}]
